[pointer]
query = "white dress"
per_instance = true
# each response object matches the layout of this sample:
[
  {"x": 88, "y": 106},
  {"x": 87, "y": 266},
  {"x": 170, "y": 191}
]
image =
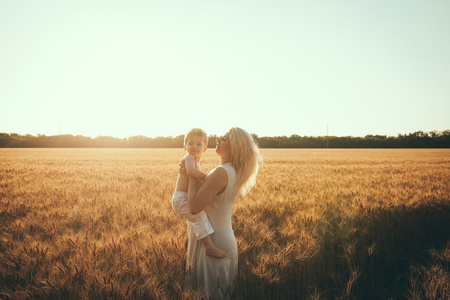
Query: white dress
[{"x": 215, "y": 276}]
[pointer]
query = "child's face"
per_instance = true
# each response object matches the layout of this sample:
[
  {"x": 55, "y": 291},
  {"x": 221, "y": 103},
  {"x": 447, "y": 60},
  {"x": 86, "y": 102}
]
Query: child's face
[{"x": 195, "y": 146}]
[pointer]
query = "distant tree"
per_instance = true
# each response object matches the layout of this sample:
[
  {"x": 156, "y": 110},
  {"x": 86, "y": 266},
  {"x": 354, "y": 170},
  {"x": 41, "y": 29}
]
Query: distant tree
[
  {"x": 179, "y": 141},
  {"x": 418, "y": 139},
  {"x": 107, "y": 142},
  {"x": 212, "y": 141},
  {"x": 139, "y": 141}
]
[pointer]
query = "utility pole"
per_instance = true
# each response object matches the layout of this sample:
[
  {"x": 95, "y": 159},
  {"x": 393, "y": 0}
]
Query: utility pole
[
  {"x": 60, "y": 134},
  {"x": 327, "y": 136}
]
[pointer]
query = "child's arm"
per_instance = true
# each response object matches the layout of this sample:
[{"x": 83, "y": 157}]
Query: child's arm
[{"x": 190, "y": 168}]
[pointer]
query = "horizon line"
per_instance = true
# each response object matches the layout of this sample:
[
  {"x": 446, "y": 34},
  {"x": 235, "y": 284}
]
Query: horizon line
[{"x": 175, "y": 136}]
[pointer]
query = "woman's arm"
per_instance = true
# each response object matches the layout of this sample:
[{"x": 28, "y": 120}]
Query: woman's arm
[
  {"x": 190, "y": 168},
  {"x": 198, "y": 199}
]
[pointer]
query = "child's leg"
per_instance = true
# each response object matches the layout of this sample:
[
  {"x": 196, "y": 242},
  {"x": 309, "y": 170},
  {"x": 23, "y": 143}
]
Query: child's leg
[
  {"x": 200, "y": 222},
  {"x": 202, "y": 230},
  {"x": 180, "y": 204},
  {"x": 212, "y": 250}
]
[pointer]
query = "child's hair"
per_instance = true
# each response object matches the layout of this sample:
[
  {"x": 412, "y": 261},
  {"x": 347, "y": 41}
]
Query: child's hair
[
  {"x": 196, "y": 132},
  {"x": 245, "y": 159}
]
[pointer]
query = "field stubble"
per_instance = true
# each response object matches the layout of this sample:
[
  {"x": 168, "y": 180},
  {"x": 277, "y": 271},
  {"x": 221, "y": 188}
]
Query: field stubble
[{"x": 320, "y": 224}]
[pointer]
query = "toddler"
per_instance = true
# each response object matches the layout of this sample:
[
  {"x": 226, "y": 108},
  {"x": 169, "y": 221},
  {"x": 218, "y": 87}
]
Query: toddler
[{"x": 195, "y": 143}]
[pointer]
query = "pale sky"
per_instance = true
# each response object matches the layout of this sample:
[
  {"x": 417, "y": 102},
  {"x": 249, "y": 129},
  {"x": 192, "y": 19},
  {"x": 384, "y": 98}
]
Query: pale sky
[{"x": 159, "y": 68}]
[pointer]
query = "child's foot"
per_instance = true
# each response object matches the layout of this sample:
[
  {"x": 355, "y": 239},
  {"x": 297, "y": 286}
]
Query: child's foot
[{"x": 215, "y": 252}]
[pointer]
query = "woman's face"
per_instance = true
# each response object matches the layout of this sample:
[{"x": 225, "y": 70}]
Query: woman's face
[{"x": 223, "y": 148}]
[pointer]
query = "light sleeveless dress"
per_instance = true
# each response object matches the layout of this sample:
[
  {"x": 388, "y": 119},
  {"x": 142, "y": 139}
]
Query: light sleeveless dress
[{"x": 216, "y": 277}]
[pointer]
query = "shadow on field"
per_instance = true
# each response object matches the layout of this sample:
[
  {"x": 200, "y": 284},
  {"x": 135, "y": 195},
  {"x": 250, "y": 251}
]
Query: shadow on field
[
  {"x": 369, "y": 254},
  {"x": 392, "y": 240}
]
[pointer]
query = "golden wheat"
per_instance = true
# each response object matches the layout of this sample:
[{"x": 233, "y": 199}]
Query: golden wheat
[{"x": 98, "y": 223}]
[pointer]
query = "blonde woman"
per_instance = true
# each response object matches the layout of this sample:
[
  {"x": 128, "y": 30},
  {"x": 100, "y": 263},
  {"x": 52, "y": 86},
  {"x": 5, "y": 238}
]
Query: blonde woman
[{"x": 235, "y": 176}]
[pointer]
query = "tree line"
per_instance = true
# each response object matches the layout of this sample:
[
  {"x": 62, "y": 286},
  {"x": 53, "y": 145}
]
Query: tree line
[{"x": 418, "y": 139}]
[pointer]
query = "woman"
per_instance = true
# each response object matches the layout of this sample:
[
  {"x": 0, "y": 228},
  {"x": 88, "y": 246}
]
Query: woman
[{"x": 236, "y": 174}]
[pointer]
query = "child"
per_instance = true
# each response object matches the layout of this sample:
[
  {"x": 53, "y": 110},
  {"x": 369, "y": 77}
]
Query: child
[{"x": 195, "y": 143}]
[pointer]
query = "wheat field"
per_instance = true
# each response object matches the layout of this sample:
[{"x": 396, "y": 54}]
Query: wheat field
[{"x": 319, "y": 224}]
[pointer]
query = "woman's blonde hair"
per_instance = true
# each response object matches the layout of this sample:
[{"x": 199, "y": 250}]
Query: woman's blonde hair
[{"x": 245, "y": 159}]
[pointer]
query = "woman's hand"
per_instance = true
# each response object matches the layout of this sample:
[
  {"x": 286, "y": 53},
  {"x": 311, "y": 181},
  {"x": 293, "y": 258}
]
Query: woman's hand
[
  {"x": 182, "y": 168},
  {"x": 201, "y": 197}
]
